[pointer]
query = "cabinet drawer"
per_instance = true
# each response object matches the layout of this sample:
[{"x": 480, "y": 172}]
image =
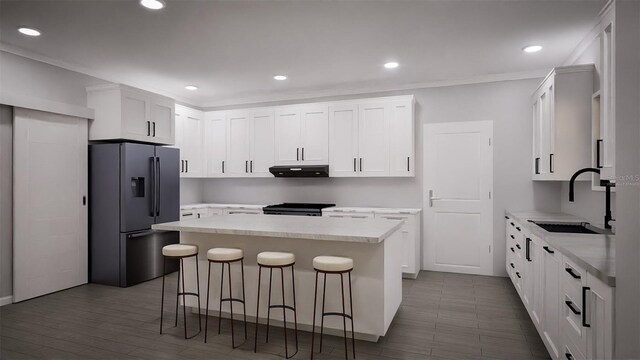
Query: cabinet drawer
[
  {"x": 571, "y": 352},
  {"x": 571, "y": 323},
  {"x": 573, "y": 278}
]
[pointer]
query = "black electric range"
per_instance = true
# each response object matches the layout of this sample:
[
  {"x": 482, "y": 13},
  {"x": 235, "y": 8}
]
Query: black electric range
[{"x": 301, "y": 209}]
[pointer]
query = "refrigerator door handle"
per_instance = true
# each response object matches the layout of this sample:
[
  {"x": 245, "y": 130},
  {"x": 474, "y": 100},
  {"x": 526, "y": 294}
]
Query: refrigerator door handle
[
  {"x": 153, "y": 186},
  {"x": 157, "y": 174}
]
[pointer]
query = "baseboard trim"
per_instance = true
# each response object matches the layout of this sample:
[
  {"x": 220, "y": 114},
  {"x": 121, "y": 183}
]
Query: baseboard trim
[{"x": 6, "y": 300}]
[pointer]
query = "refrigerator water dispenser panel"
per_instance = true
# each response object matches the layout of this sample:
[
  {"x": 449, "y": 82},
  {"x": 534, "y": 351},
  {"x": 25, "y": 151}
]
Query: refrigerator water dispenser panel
[{"x": 137, "y": 186}]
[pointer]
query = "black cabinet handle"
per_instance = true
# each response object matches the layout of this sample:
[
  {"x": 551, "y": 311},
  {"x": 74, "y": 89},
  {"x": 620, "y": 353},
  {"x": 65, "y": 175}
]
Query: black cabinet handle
[
  {"x": 148, "y": 128},
  {"x": 302, "y": 154},
  {"x": 158, "y": 188},
  {"x": 186, "y": 166},
  {"x": 84, "y": 200},
  {"x": 598, "y": 145},
  {"x": 537, "y": 165},
  {"x": 251, "y": 166},
  {"x": 506, "y": 217},
  {"x": 181, "y": 166},
  {"x": 512, "y": 266},
  {"x": 512, "y": 224},
  {"x": 551, "y": 163},
  {"x": 512, "y": 249},
  {"x": 570, "y": 272},
  {"x": 513, "y": 237},
  {"x": 546, "y": 248},
  {"x": 223, "y": 166},
  {"x": 198, "y": 216},
  {"x": 584, "y": 306},
  {"x": 528, "y": 249},
  {"x": 518, "y": 246},
  {"x": 297, "y": 154},
  {"x": 518, "y": 275},
  {"x": 517, "y": 228},
  {"x": 571, "y": 307},
  {"x": 354, "y": 165},
  {"x": 408, "y": 164},
  {"x": 568, "y": 356},
  {"x": 246, "y": 166},
  {"x": 187, "y": 214},
  {"x": 360, "y": 164},
  {"x": 154, "y": 129}
]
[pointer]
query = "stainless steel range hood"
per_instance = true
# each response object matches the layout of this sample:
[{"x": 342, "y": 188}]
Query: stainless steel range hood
[{"x": 300, "y": 171}]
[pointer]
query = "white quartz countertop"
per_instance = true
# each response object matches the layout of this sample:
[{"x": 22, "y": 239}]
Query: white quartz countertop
[
  {"x": 299, "y": 227},
  {"x": 342, "y": 209},
  {"x": 594, "y": 252},
  {"x": 220, "y": 206}
]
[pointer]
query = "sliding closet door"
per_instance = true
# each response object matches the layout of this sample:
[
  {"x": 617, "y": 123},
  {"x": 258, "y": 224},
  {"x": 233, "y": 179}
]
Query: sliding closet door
[{"x": 50, "y": 211}]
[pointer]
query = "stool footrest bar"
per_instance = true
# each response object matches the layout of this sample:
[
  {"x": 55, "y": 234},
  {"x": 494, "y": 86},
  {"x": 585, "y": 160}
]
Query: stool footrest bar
[
  {"x": 282, "y": 306},
  {"x": 233, "y": 299},
  {"x": 337, "y": 314}
]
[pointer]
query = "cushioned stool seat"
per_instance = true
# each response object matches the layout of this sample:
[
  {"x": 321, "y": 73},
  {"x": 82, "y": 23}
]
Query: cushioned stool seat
[
  {"x": 179, "y": 250},
  {"x": 225, "y": 254},
  {"x": 332, "y": 263},
  {"x": 276, "y": 258}
]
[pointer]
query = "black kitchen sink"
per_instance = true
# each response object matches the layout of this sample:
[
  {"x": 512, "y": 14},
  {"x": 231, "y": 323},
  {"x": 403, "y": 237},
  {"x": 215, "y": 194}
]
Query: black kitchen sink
[{"x": 570, "y": 228}]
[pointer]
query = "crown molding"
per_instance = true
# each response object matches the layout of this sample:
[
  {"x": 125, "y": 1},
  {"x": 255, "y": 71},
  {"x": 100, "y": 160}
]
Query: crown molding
[
  {"x": 86, "y": 71},
  {"x": 489, "y": 78},
  {"x": 592, "y": 35},
  {"x": 28, "y": 102}
]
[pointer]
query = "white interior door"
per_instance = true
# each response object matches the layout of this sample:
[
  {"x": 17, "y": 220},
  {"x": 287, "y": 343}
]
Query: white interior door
[
  {"x": 50, "y": 214},
  {"x": 458, "y": 175}
]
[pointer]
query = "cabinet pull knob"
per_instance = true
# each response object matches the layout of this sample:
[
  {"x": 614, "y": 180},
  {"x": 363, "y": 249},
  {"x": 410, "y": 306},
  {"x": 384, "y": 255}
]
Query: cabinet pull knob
[
  {"x": 598, "y": 149},
  {"x": 546, "y": 248},
  {"x": 584, "y": 306},
  {"x": 573, "y": 274},
  {"x": 571, "y": 307}
]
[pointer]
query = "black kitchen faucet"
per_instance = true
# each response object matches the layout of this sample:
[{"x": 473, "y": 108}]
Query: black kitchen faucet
[{"x": 606, "y": 183}]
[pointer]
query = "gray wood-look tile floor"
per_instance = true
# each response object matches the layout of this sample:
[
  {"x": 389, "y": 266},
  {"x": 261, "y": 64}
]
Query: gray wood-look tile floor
[{"x": 443, "y": 316}]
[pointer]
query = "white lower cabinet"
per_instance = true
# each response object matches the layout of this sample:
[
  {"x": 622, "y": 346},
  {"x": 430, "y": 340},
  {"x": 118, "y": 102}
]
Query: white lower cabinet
[{"x": 571, "y": 309}]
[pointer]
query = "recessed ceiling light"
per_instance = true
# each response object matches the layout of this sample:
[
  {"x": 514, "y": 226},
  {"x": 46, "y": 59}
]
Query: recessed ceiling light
[
  {"x": 391, "y": 65},
  {"x": 29, "y": 31},
  {"x": 153, "y": 4},
  {"x": 532, "y": 48},
  {"x": 280, "y": 77},
  {"x": 191, "y": 87}
]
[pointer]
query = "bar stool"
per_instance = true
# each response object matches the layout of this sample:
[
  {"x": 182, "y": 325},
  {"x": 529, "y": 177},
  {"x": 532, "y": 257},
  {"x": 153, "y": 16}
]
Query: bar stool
[
  {"x": 338, "y": 266},
  {"x": 181, "y": 252},
  {"x": 277, "y": 260},
  {"x": 226, "y": 256}
]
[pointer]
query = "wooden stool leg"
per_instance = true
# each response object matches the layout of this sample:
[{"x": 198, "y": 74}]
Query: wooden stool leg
[
  {"x": 313, "y": 328},
  {"x": 324, "y": 292},
  {"x": 344, "y": 318},
  {"x": 255, "y": 348},
  {"x": 198, "y": 287},
  {"x": 220, "y": 308},
  {"x": 295, "y": 308},
  {"x": 353, "y": 333},
  {"x": 206, "y": 320},
  {"x": 164, "y": 270},
  {"x": 244, "y": 300},
  {"x": 269, "y": 302},
  {"x": 284, "y": 314}
]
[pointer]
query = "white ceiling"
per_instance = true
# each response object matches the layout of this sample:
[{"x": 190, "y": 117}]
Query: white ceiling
[{"x": 232, "y": 49}]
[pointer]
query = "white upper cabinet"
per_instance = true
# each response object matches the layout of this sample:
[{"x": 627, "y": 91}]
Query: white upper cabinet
[
  {"x": 343, "y": 140},
  {"x": 215, "y": 135},
  {"x": 605, "y": 143},
  {"x": 126, "y": 113},
  {"x": 250, "y": 143},
  {"x": 189, "y": 139},
  {"x": 373, "y": 138},
  {"x": 561, "y": 109},
  {"x": 302, "y": 135}
]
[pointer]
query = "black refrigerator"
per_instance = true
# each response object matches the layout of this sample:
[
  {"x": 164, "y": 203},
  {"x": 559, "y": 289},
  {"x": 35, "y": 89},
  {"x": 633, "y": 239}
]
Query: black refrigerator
[{"x": 131, "y": 187}]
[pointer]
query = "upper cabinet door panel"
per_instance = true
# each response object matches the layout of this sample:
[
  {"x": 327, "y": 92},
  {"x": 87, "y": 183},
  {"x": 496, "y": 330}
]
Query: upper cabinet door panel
[
  {"x": 193, "y": 149},
  {"x": 288, "y": 132},
  {"x": 343, "y": 140},
  {"x": 262, "y": 144},
  {"x": 163, "y": 120},
  {"x": 215, "y": 144},
  {"x": 401, "y": 125},
  {"x": 135, "y": 114},
  {"x": 315, "y": 136},
  {"x": 238, "y": 145},
  {"x": 373, "y": 144}
]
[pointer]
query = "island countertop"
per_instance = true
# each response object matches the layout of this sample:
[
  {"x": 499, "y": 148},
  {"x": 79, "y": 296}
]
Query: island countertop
[{"x": 298, "y": 227}]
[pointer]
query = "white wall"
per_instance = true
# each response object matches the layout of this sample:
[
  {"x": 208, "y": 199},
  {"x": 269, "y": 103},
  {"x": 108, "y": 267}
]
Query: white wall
[
  {"x": 506, "y": 103},
  {"x": 6, "y": 201}
]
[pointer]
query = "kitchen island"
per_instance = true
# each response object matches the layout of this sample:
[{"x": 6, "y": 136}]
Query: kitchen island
[{"x": 373, "y": 244}]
